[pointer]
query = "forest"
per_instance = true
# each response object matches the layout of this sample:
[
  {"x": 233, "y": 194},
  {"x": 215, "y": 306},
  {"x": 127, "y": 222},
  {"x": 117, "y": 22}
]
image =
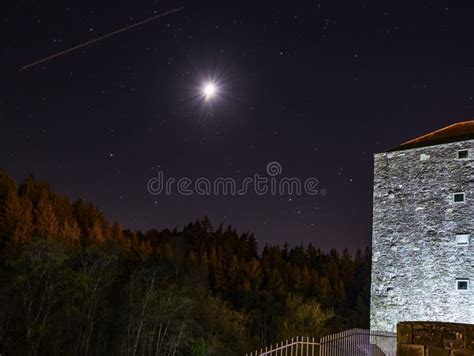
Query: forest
[{"x": 74, "y": 283}]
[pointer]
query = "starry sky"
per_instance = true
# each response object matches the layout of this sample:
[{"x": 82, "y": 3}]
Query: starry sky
[{"x": 317, "y": 86}]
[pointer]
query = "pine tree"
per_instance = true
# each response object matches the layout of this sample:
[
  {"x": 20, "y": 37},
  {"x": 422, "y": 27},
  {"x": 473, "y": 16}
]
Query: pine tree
[
  {"x": 16, "y": 218},
  {"x": 7, "y": 184},
  {"x": 70, "y": 231},
  {"x": 29, "y": 190},
  {"x": 46, "y": 223},
  {"x": 97, "y": 233}
]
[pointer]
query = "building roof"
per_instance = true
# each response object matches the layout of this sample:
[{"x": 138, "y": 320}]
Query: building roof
[{"x": 460, "y": 131}]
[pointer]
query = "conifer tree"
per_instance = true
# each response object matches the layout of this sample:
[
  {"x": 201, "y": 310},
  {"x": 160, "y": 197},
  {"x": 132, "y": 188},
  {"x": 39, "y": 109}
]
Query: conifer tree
[
  {"x": 70, "y": 231},
  {"x": 7, "y": 184},
  {"x": 46, "y": 223},
  {"x": 16, "y": 218}
]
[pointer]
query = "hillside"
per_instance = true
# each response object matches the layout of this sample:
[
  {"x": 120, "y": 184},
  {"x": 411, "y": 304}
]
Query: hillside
[{"x": 72, "y": 282}]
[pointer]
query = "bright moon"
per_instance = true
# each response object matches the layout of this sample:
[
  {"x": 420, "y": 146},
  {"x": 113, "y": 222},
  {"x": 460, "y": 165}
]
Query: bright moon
[{"x": 209, "y": 90}]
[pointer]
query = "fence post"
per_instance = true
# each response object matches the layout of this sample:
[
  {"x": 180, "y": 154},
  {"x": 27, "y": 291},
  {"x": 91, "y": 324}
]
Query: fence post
[{"x": 321, "y": 342}]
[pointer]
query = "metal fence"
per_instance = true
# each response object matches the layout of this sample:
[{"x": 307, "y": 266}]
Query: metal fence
[
  {"x": 359, "y": 342},
  {"x": 354, "y": 342},
  {"x": 299, "y": 346}
]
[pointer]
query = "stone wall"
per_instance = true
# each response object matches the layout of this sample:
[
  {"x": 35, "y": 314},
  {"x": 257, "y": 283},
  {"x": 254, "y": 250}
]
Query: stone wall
[
  {"x": 416, "y": 260},
  {"x": 435, "y": 339}
]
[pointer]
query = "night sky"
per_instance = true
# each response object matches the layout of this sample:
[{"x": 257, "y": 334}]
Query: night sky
[{"x": 317, "y": 86}]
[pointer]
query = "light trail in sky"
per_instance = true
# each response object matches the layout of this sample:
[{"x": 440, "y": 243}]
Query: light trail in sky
[{"x": 100, "y": 38}]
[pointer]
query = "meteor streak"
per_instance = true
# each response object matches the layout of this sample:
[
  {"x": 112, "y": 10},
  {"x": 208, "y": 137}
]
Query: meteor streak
[{"x": 100, "y": 38}]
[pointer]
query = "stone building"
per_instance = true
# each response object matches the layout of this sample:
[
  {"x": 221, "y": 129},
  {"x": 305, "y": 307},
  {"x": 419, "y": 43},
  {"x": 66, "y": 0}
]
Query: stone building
[{"x": 423, "y": 230}]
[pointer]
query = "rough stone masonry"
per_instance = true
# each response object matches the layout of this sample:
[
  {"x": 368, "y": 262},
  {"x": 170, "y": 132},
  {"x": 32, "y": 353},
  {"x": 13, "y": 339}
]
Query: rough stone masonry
[
  {"x": 421, "y": 264},
  {"x": 435, "y": 339}
]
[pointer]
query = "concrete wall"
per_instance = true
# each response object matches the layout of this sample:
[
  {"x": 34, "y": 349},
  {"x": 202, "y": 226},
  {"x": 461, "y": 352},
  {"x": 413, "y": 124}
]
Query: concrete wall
[
  {"x": 416, "y": 260},
  {"x": 435, "y": 339}
]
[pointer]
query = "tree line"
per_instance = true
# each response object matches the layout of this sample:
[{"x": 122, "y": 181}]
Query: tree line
[{"x": 71, "y": 282}]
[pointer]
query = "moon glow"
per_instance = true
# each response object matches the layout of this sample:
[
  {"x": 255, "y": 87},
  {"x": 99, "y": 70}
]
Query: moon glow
[{"x": 209, "y": 90}]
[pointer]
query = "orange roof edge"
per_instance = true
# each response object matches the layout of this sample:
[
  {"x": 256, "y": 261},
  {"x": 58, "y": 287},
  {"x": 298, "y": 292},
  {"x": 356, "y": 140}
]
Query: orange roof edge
[{"x": 459, "y": 131}]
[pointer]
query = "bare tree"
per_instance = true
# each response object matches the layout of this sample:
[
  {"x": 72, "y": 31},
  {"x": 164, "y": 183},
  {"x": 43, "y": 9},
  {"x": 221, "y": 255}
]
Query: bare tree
[
  {"x": 39, "y": 281},
  {"x": 96, "y": 272},
  {"x": 158, "y": 316}
]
